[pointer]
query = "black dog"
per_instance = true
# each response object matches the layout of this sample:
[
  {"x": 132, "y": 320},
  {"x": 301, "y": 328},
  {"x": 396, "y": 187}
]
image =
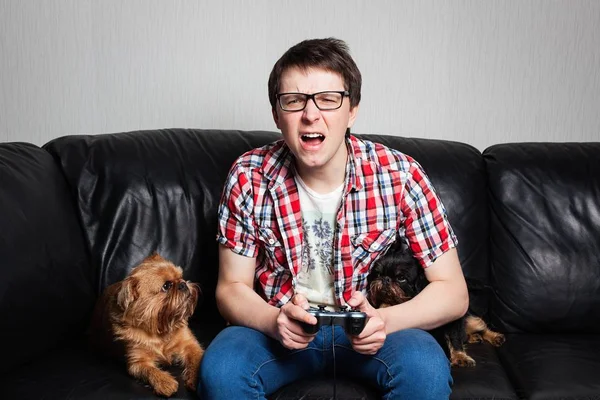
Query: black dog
[{"x": 397, "y": 277}]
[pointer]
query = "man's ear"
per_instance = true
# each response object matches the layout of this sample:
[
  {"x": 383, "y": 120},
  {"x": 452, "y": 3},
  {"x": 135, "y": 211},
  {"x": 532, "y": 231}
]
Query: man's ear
[
  {"x": 275, "y": 117},
  {"x": 127, "y": 293},
  {"x": 352, "y": 116}
]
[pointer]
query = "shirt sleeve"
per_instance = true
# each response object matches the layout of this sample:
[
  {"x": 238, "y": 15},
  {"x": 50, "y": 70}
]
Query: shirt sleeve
[
  {"x": 236, "y": 228},
  {"x": 427, "y": 229}
]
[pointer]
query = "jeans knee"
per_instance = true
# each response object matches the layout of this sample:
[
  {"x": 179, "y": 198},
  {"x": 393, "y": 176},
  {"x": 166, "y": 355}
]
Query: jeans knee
[
  {"x": 213, "y": 372},
  {"x": 226, "y": 366},
  {"x": 428, "y": 358},
  {"x": 421, "y": 366}
]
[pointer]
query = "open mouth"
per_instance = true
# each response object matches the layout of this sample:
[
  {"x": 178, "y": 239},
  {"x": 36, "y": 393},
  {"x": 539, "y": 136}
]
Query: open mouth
[{"x": 312, "y": 138}]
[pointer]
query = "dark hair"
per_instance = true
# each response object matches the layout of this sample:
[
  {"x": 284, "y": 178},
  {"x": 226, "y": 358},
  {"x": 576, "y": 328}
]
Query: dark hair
[{"x": 329, "y": 54}]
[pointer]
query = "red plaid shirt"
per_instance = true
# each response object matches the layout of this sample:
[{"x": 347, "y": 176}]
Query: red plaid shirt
[{"x": 386, "y": 193}]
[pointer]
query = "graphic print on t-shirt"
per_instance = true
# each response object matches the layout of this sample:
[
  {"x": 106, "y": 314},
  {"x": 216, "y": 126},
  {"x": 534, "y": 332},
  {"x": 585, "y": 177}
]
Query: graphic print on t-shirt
[
  {"x": 317, "y": 247},
  {"x": 315, "y": 278}
]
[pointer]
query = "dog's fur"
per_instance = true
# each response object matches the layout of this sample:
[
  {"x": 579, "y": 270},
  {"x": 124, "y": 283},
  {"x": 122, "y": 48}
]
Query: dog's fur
[
  {"x": 397, "y": 277},
  {"x": 144, "y": 318}
]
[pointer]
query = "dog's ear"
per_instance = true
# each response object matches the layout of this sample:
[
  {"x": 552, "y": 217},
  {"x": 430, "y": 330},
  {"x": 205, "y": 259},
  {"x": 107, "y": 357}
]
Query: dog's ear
[{"x": 127, "y": 292}]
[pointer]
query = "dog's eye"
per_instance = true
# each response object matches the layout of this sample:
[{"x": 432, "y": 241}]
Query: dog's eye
[
  {"x": 167, "y": 286},
  {"x": 402, "y": 280}
]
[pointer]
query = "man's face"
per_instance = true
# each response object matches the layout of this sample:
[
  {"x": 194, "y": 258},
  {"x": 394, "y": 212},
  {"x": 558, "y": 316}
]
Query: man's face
[{"x": 315, "y": 137}]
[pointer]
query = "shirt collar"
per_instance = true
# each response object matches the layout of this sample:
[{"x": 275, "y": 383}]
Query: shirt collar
[{"x": 354, "y": 175}]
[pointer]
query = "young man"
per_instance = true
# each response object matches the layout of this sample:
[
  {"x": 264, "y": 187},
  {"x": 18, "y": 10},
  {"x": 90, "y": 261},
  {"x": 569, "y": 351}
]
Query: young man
[{"x": 301, "y": 221}]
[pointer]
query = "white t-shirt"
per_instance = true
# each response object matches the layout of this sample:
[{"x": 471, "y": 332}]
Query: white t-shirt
[{"x": 319, "y": 212}]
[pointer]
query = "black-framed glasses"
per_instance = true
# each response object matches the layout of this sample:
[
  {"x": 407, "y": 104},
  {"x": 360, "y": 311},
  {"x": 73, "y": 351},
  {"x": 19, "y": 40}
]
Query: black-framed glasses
[{"x": 325, "y": 101}]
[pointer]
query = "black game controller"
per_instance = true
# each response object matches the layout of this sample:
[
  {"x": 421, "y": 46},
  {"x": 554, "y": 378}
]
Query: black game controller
[{"x": 353, "y": 321}]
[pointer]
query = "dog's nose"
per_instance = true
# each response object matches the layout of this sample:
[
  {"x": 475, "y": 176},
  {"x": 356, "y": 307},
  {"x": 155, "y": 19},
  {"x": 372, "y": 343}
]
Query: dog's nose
[
  {"x": 182, "y": 286},
  {"x": 386, "y": 280}
]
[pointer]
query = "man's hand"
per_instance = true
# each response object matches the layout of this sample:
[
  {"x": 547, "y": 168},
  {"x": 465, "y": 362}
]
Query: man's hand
[
  {"x": 370, "y": 340},
  {"x": 289, "y": 331}
]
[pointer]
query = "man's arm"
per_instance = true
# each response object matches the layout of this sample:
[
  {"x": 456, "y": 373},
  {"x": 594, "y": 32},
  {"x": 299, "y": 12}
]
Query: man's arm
[
  {"x": 443, "y": 300},
  {"x": 236, "y": 299},
  {"x": 239, "y": 304}
]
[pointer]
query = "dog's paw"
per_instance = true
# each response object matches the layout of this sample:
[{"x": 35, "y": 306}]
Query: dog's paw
[
  {"x": 467, "y": 362},
  {"x": 190, "y": 377},
  {"x": 460, "y": 359},
  {"x": 497, "y": 340},
  {"x": 190, "y": 380},
  {"x": 164, "y": 384},
  {"x": 474, "y": 338},
  {"x": 192, "y": 366}
]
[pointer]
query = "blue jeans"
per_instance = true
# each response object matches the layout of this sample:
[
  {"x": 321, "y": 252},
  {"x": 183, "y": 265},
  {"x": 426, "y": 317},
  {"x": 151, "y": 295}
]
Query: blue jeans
[{"x": 242, "y": 363}]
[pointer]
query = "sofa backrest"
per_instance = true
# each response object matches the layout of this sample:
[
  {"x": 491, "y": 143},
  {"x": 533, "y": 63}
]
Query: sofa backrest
[
  {"x": 545, "y": 236},
  {"x": 46, "y": 282},
  {"x": 158, "y": 190}
]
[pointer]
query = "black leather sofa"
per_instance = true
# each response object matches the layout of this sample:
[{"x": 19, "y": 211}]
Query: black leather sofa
[{"x": 77, "y": 214}]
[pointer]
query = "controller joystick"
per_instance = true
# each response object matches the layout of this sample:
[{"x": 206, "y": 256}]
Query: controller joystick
[{"x": 352, "y": 321}]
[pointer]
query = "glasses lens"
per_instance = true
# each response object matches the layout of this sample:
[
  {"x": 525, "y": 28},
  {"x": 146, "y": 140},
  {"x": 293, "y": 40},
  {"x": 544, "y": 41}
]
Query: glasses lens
[
  {"x": 292, "y": 101},
  {"x": 329, "y": 100}
]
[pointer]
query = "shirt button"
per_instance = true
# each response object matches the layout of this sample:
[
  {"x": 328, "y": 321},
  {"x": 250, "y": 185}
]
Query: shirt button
[{"x": 271, "y": 241}]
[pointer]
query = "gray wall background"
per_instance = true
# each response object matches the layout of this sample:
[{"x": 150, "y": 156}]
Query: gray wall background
[{"x": 480, "y": 72}]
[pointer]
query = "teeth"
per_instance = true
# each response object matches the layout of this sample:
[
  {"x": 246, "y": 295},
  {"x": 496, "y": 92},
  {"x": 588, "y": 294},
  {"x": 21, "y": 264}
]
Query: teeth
[{"x": 312, "y": 135}]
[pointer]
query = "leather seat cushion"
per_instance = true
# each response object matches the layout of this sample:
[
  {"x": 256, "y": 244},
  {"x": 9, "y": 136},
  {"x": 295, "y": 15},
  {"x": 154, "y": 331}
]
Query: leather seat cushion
[{"x": 562, "y": 366}]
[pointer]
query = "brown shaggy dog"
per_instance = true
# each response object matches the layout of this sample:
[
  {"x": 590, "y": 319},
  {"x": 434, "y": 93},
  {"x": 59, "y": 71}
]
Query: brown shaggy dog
[{"x": 146, "y": 317}]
